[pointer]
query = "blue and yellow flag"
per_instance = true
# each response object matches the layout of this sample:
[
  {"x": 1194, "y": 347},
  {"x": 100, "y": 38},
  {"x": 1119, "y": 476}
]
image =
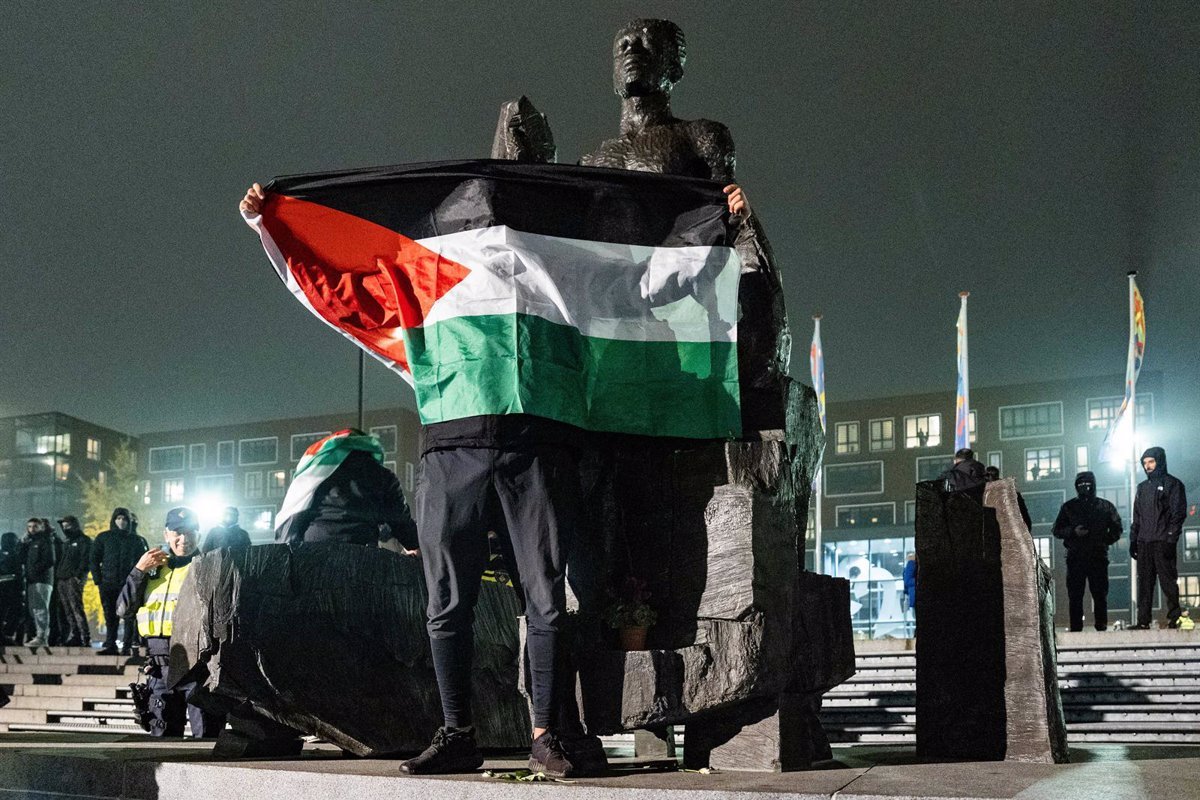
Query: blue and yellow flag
[{"x": 962, "y": 404}]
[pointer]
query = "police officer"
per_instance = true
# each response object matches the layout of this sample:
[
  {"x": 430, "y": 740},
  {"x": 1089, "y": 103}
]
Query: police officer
[
  {"x": 1087, "y": 525},
  {"x": 152, "y": 590}
]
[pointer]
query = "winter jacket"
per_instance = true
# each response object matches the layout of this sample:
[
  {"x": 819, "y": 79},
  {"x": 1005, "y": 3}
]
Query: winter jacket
[
  {"x": 114, "y": 553},
  {"x": 39, "y": 557},
  {"x": 12, "y": 568},
  {"x": 501, "y": 431},
  {"x": 352, "y": 505},
  {"x": 133, "y": 597},
  {"x": 967, "y": 476},
  {"x": 76, "y": 558},
  {"x": 226, "y": 536},
  {"x": 1160, "y": 506},
  {"x": 1096, "y": 514}
]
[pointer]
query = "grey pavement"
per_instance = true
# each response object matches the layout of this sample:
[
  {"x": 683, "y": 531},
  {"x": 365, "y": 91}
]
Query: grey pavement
[{"x": 63, "y": 766}]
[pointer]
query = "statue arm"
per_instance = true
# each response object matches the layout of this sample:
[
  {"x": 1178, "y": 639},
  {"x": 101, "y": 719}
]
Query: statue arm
[{"x": 523, "y": 134}]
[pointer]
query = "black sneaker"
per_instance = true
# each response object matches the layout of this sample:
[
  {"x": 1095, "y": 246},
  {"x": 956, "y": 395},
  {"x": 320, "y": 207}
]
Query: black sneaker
[
  {"x": 587, "y": 754},
  {"x": 549, "y": 757},
  {"x": 1139, "y": 627},
  {"x": 452, "y": 750},
  {"x": 107, "y": 650}
]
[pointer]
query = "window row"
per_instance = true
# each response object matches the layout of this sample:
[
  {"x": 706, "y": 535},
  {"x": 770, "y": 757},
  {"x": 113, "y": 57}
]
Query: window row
[
  {"x": 259, "y": 451},
  {"x": 255, "y": 485},
  {"x": 920, "y": 430}
]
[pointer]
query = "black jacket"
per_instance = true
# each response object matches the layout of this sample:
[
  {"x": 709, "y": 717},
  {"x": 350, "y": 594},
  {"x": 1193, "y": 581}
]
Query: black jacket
[
  {"x": 501, "y": 431},
  {"x": 351, "y": 505},
  {"x": 1160, "y": 506},
  {"x": 39, "y": 557},
  {"x": 76, "y": 558},
  {"x": 226, "y": 536},
  {"x": 12, "y": 568},
  {"x": 967, "y": 476},
  {"x": 1103, "y": 525},
  {"x": 114, "y": 553}
]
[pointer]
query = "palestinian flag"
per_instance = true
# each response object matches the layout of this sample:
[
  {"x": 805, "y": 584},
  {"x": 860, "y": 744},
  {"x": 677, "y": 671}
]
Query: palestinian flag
[
  {"x": 319, "y": 461},
  {"x": 605, "y": 299}
]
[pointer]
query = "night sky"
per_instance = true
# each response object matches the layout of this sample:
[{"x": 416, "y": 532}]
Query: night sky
[{"x": 897, "y": 153}]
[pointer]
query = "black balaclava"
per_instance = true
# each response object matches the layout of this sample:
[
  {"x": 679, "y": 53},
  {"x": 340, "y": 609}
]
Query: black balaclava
[
  {"x": 8, "y": 541},
  {"x": 1085, "y": 485},
  {"x": 1160, "y": 466}
]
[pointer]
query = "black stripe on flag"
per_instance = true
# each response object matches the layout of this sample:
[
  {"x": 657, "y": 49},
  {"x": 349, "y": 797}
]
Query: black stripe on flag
[{"x": 590, "y": 203}]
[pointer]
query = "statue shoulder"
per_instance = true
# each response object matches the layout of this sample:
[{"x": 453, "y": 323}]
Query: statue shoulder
[{"x": 714, "y": 143}]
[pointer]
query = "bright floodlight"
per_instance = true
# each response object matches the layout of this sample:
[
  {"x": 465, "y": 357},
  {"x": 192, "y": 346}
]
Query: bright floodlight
[{"x": 209, "y": 508}]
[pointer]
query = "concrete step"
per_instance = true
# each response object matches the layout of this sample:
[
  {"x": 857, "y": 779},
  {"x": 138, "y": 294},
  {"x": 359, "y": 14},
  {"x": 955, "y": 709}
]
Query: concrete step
[
  {"x": 102, "y": 704},
  {"x": 62, "y": 669},
  {"x": 10, "y": 715},
  {"x": 131, "y": 729},
  {"x": 44, "y": 703},
  {"x": 69, "y": 690},
  {"x": 77, "y": 652},
  {"x": 90, "y": 717},
  {"x": 130, "y": 675}
]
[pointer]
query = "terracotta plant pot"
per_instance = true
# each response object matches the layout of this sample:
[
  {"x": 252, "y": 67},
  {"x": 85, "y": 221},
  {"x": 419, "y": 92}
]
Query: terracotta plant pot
[{"x": 633, "y": 638}]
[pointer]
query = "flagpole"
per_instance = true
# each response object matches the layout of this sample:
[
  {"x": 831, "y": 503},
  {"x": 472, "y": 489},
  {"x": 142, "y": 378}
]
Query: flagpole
[
  {"x": 362, "y": 369},
  {"x": 1133, "y": 461}
]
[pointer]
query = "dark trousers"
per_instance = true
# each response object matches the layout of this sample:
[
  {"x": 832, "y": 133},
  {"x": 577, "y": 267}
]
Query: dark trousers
[
  {"x": 70, "y": 599},
  {"x": 530, "y": 496},
  {"x": 170, "y": 710},
  {"x": 1083, "y": 572},
  {"x": 1157, "y": 560},
  {"x": 108, "y": 601},
  {"x": 12, "y": 612}
]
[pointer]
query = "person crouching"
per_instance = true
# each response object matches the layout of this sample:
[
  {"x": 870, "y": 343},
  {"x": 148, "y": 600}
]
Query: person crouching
[{"x": 152, "y": 591}]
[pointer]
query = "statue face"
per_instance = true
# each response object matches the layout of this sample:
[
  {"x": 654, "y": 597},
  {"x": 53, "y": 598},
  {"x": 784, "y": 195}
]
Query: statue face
[{"x": 646, "y": 58}]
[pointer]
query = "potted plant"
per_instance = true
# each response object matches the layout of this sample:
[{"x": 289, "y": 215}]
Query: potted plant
[{"x": 631, "y": 616}]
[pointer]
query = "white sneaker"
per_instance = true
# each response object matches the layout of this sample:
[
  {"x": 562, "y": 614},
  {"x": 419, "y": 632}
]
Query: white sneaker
[{"x": 38, "y": 642}]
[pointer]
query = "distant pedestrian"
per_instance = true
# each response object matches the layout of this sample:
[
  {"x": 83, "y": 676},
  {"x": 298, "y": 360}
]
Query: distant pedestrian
[
  {"x": 72, "y": 572},
  {"x": 1087, "y": 525},
  {"x": 1159, "y": 509},
  {"x": 12, "y": 590},
  {"x": 39, "y": 577},
  {"x": 228, "y": 533},
  {"x": 910, "y": 582},
  {"x": 114, "y": 554}
]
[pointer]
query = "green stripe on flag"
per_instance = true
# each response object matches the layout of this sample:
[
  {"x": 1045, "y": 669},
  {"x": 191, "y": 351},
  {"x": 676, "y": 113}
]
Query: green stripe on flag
[{"x": 518, "y": 363}]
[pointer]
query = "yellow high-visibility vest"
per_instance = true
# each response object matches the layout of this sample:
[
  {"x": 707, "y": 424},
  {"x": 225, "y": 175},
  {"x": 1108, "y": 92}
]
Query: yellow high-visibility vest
[
  {"x": 162, "y": 593},
  {"x": 1187, "y": 624}
]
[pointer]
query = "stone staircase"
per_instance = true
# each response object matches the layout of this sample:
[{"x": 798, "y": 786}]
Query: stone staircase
[
  {"x": 1128, "y": 687},
  {"x": 67, "y": 689}
]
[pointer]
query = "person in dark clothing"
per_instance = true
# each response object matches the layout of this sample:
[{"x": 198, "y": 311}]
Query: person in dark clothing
[
  {"x": 151, "y": 591},
  {"x": 1159, "y": 509},
  {"x": 993, "y": 474},
  {"x": 71, "y": 572},
  {"x": 12, "y": 590},
  {"x": 114, "y": 554},
  {"x": 39, "y": 577},
  {"x": 228, "y": 533},
  {"x": 343, "y": 493},
  {"x": 1088, "y": 525},
  {"x": 966, "y": 475}
]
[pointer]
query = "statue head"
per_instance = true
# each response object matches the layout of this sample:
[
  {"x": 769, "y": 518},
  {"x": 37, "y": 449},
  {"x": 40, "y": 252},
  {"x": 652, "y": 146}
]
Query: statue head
[{"x": 648, "y": 56}]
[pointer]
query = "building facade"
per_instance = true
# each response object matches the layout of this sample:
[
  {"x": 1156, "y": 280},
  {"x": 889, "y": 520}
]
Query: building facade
[
  {"x": 1040, "y": 434},
  {"x": 44, "y": 460},
  {"x": 250, "y": 465}
]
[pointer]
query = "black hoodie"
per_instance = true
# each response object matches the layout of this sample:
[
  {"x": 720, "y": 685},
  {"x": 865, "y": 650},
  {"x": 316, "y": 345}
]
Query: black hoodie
[
  {"x": 116, "y": 551},
  {"x": 1096, "y": 514},
  {"x": 76, "y": 558},
  {"x": 12, "y": 569},
  {"x": 1160, "y": 506}
]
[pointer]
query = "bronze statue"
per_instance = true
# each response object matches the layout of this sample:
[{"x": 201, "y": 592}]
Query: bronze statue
[{"x": 736, "y": 633}]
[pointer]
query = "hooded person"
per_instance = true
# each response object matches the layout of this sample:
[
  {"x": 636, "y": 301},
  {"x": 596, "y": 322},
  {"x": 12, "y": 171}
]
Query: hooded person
[
  {"x": 228, "y": 534},
  {"x": 12, "y": 589},
  {"x": 114, "y": 554},
  {"x": 39, "y": 557},
  {"x": 342, "y": 493},
  {"x": 966, "y": 475},
  {"x": 992, "y": 473},
  {"x": 1159, "y": 509},
  {"x": 73, "y": 566},
  {"x": 1087, "y": 525}
]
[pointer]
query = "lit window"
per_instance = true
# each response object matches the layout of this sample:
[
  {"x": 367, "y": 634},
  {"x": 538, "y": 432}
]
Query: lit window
[
  {"x": 219, "y": 485},
  {"x": 259, "y": 518},
  {"x": 845, "y": 438},
  {"x": 254, "y": 485},
  {"x": 910, "y": 510},
  {"x": 146, "y": 493},
  {"x": 971, "y": 427},
  {"x": 1081, "y": 458},
  {"x": 173, "y": 490},
  {"x": 54, "y": 443},
  {"x": 102, "y": 477},
  {"x": 995, "y": 458},
  {"x": 1045, "y": 549},
  {"x": 224, "y": 454},
  {"x": 277, "y": 483},
  {"x": 923, "y": 430},
  {"x": 1043, "y": 464},
  {"x": 883, "y": 435},
  {"x": 386, "y": 435},
  {"x": 1189, "y": 591},
  {"x": 1191, "y": 544},
  {"x": 62, "y": 470},
  {"x": 93, "y": 449},
  {"x": 198, "y": 456},
  {"x": 1101, "y": 411},
  {"x": 167, "y": 459},
  {"x": 1038, "y": 419},
  {"x": 866, "y": 516}
]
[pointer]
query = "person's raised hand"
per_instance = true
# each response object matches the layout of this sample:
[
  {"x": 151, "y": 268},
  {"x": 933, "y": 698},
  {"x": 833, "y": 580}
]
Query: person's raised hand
[
  {"x": 736, "y": 198},
  {"x": 152, "y": 559},
  {"x": 254, "y": 200}
]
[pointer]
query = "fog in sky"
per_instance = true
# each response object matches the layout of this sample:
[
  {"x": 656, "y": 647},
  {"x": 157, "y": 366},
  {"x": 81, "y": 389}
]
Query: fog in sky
[{"x": 897, "y": 153}]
